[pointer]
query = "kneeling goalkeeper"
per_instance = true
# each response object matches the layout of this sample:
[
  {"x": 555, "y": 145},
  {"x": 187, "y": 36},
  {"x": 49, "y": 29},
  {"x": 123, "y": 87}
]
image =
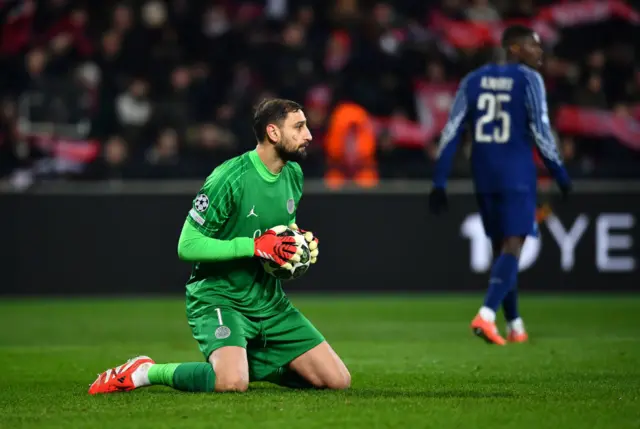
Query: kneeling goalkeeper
[{"x": 245, "y": 326}]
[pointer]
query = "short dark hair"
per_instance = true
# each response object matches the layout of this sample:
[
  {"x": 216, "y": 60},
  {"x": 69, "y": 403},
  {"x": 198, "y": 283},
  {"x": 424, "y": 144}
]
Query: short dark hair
[
  {"x": 271, "y": 111},
  {"x": 514, "y": 33}
]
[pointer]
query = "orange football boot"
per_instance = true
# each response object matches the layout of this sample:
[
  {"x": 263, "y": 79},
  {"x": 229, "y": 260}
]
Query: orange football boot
[
  {"x": 543, "y": 211},
  {"x": 487, "y": 331},
  {"x": 118, "y": 379},
  {"x": 514, "y": 337}
]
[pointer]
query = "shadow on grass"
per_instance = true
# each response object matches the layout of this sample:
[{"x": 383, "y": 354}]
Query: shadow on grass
[{"x": 356, "y": 393}]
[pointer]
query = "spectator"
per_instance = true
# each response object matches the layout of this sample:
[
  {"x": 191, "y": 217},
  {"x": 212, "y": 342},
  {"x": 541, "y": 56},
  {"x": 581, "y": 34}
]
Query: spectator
[
  {"x": 114, "y": 163},
  {"x": 175, "y": 81},
  {"x": 482, "y": 11},
  {"x": 162, "y": 160},
  {"x": 591, "y": 95},
  {"x": 134, "y": 109}
]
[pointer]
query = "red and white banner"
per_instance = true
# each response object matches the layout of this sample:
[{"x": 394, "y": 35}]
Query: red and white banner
[
  {"x": 598, "y": 123},
  {"x": 468, "y": 34},
  {"x": 433, "y": 102},
  {"x": 587, "y": 12},
  {"x": 406, "y": 133},
  {"x": 71, "y": 151}
]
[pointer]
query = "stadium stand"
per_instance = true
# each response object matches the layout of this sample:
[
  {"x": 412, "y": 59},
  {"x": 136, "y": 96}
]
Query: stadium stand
[{"x": 164, "y": 89}]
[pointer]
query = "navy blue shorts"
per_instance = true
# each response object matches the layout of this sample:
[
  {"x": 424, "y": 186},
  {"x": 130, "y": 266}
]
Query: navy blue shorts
[{"x": 509, "y": 214}]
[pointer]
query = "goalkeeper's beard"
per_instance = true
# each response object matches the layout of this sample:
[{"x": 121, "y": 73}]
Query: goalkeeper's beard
[{"x": 286, "y": 155}]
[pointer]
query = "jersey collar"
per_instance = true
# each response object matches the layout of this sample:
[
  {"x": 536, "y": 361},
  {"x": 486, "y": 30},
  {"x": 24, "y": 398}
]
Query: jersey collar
[{"x": 263, "y": 171}]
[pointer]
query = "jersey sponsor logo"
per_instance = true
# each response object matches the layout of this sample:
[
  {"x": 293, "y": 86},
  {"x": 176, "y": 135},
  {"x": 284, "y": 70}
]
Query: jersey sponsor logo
[
  {"x": 201, "y": 203},
  {"x": 195, "y": 216},
  {"x": 252, "y": 212},
  {"x": 291, "y": 205},
  {"x": 222, "y": 332}
]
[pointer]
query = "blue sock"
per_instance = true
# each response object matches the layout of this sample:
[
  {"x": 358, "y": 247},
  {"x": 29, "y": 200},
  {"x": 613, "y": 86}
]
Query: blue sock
[
  {"x": 510, "y": 305},
  {"x": 504, "y": 274}
]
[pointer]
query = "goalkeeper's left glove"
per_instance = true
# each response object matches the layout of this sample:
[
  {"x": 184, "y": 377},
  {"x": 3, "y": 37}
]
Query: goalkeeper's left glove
[{"x": 311, "y": 240}]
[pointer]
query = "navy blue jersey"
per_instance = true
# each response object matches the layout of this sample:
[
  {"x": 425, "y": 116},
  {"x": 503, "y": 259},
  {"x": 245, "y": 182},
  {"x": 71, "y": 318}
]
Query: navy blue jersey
[{"x": 506, "y": 107}]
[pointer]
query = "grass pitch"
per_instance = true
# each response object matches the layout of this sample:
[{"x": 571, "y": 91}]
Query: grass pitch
[{"x": 413, "y": 361}]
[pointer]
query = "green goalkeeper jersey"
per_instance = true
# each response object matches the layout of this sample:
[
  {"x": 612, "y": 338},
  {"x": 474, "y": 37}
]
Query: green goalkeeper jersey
[{"x": 240, "y": 200}]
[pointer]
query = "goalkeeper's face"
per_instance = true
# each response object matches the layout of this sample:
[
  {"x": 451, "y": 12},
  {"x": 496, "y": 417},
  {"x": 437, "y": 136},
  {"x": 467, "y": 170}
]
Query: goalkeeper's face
[{"x": 294, "y": 137}]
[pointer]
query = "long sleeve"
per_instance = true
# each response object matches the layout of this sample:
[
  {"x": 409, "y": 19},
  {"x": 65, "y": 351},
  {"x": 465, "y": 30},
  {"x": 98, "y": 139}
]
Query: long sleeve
[
  {"x": 196, "y": 247},
  {"x": 451, "y": 135},
  {"x": 540, "y": 126},
  {"x": 209, "y": 212}
]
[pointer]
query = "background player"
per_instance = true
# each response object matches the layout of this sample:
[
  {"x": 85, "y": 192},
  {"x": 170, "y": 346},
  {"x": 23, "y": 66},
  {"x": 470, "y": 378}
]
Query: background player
[
  {"x": 506, "y": 107},
  {"x": 245, "y": 326}
]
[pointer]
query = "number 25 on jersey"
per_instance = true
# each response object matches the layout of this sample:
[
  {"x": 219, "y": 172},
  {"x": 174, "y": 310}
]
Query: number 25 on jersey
[{"x": 490, "y": 105}]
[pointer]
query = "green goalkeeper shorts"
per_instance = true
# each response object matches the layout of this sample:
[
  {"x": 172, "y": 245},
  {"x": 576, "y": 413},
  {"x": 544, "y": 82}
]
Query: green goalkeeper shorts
[{"x": 270, "y": 342}]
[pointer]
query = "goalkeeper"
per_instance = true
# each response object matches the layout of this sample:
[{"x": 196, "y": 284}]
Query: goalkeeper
[{"x": 245, "y": 326}]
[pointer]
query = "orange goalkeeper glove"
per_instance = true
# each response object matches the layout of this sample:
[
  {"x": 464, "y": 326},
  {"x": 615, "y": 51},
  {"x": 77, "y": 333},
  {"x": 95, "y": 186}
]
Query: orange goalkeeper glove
[{"x": 282, "y": 250}]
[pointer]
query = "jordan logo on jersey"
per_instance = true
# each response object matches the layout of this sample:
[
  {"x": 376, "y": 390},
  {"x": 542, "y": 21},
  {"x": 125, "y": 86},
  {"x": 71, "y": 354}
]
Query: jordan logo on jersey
[{"x": 252, "y": 212}]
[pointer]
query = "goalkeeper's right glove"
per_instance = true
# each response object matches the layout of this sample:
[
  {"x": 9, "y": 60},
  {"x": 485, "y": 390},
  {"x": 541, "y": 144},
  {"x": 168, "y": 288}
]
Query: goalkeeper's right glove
[{"x": 281, "y": 250}]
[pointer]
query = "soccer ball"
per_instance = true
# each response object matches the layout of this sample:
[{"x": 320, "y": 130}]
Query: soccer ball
[{"x": 299, "y": 268}]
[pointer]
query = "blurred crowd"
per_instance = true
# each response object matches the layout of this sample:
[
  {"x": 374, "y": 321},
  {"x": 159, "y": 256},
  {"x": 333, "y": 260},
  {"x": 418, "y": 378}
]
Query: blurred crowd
[{"x": 164, "y": 89}]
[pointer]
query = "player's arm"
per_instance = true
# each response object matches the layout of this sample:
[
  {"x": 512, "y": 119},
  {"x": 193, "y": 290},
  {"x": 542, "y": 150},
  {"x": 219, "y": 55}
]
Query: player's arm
[
  {"x": 194, "y": 246},
  {"x": 451, "y": 136},
  {"x": 536, "y": 101},
  {"x": 210, "y": 210}
]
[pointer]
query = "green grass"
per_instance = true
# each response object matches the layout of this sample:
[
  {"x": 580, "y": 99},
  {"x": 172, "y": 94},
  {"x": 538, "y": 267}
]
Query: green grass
[{"x": 413, "y": 361}]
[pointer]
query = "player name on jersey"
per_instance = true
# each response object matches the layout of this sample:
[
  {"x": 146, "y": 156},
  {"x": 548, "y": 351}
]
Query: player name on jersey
[{"x": 496, "y": 83}]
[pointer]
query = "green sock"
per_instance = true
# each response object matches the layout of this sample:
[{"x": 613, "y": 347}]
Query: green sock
[
  {"x": 188, "y": 377},
  {"x": 162, "y": 373}
]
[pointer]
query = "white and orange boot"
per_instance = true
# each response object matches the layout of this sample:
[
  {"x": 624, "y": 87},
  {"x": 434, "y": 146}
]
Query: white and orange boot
[
  {"x": 516, "y": 332},
  {"x": 122, "y": 378},
  {"x": 484, "y": 326}
]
